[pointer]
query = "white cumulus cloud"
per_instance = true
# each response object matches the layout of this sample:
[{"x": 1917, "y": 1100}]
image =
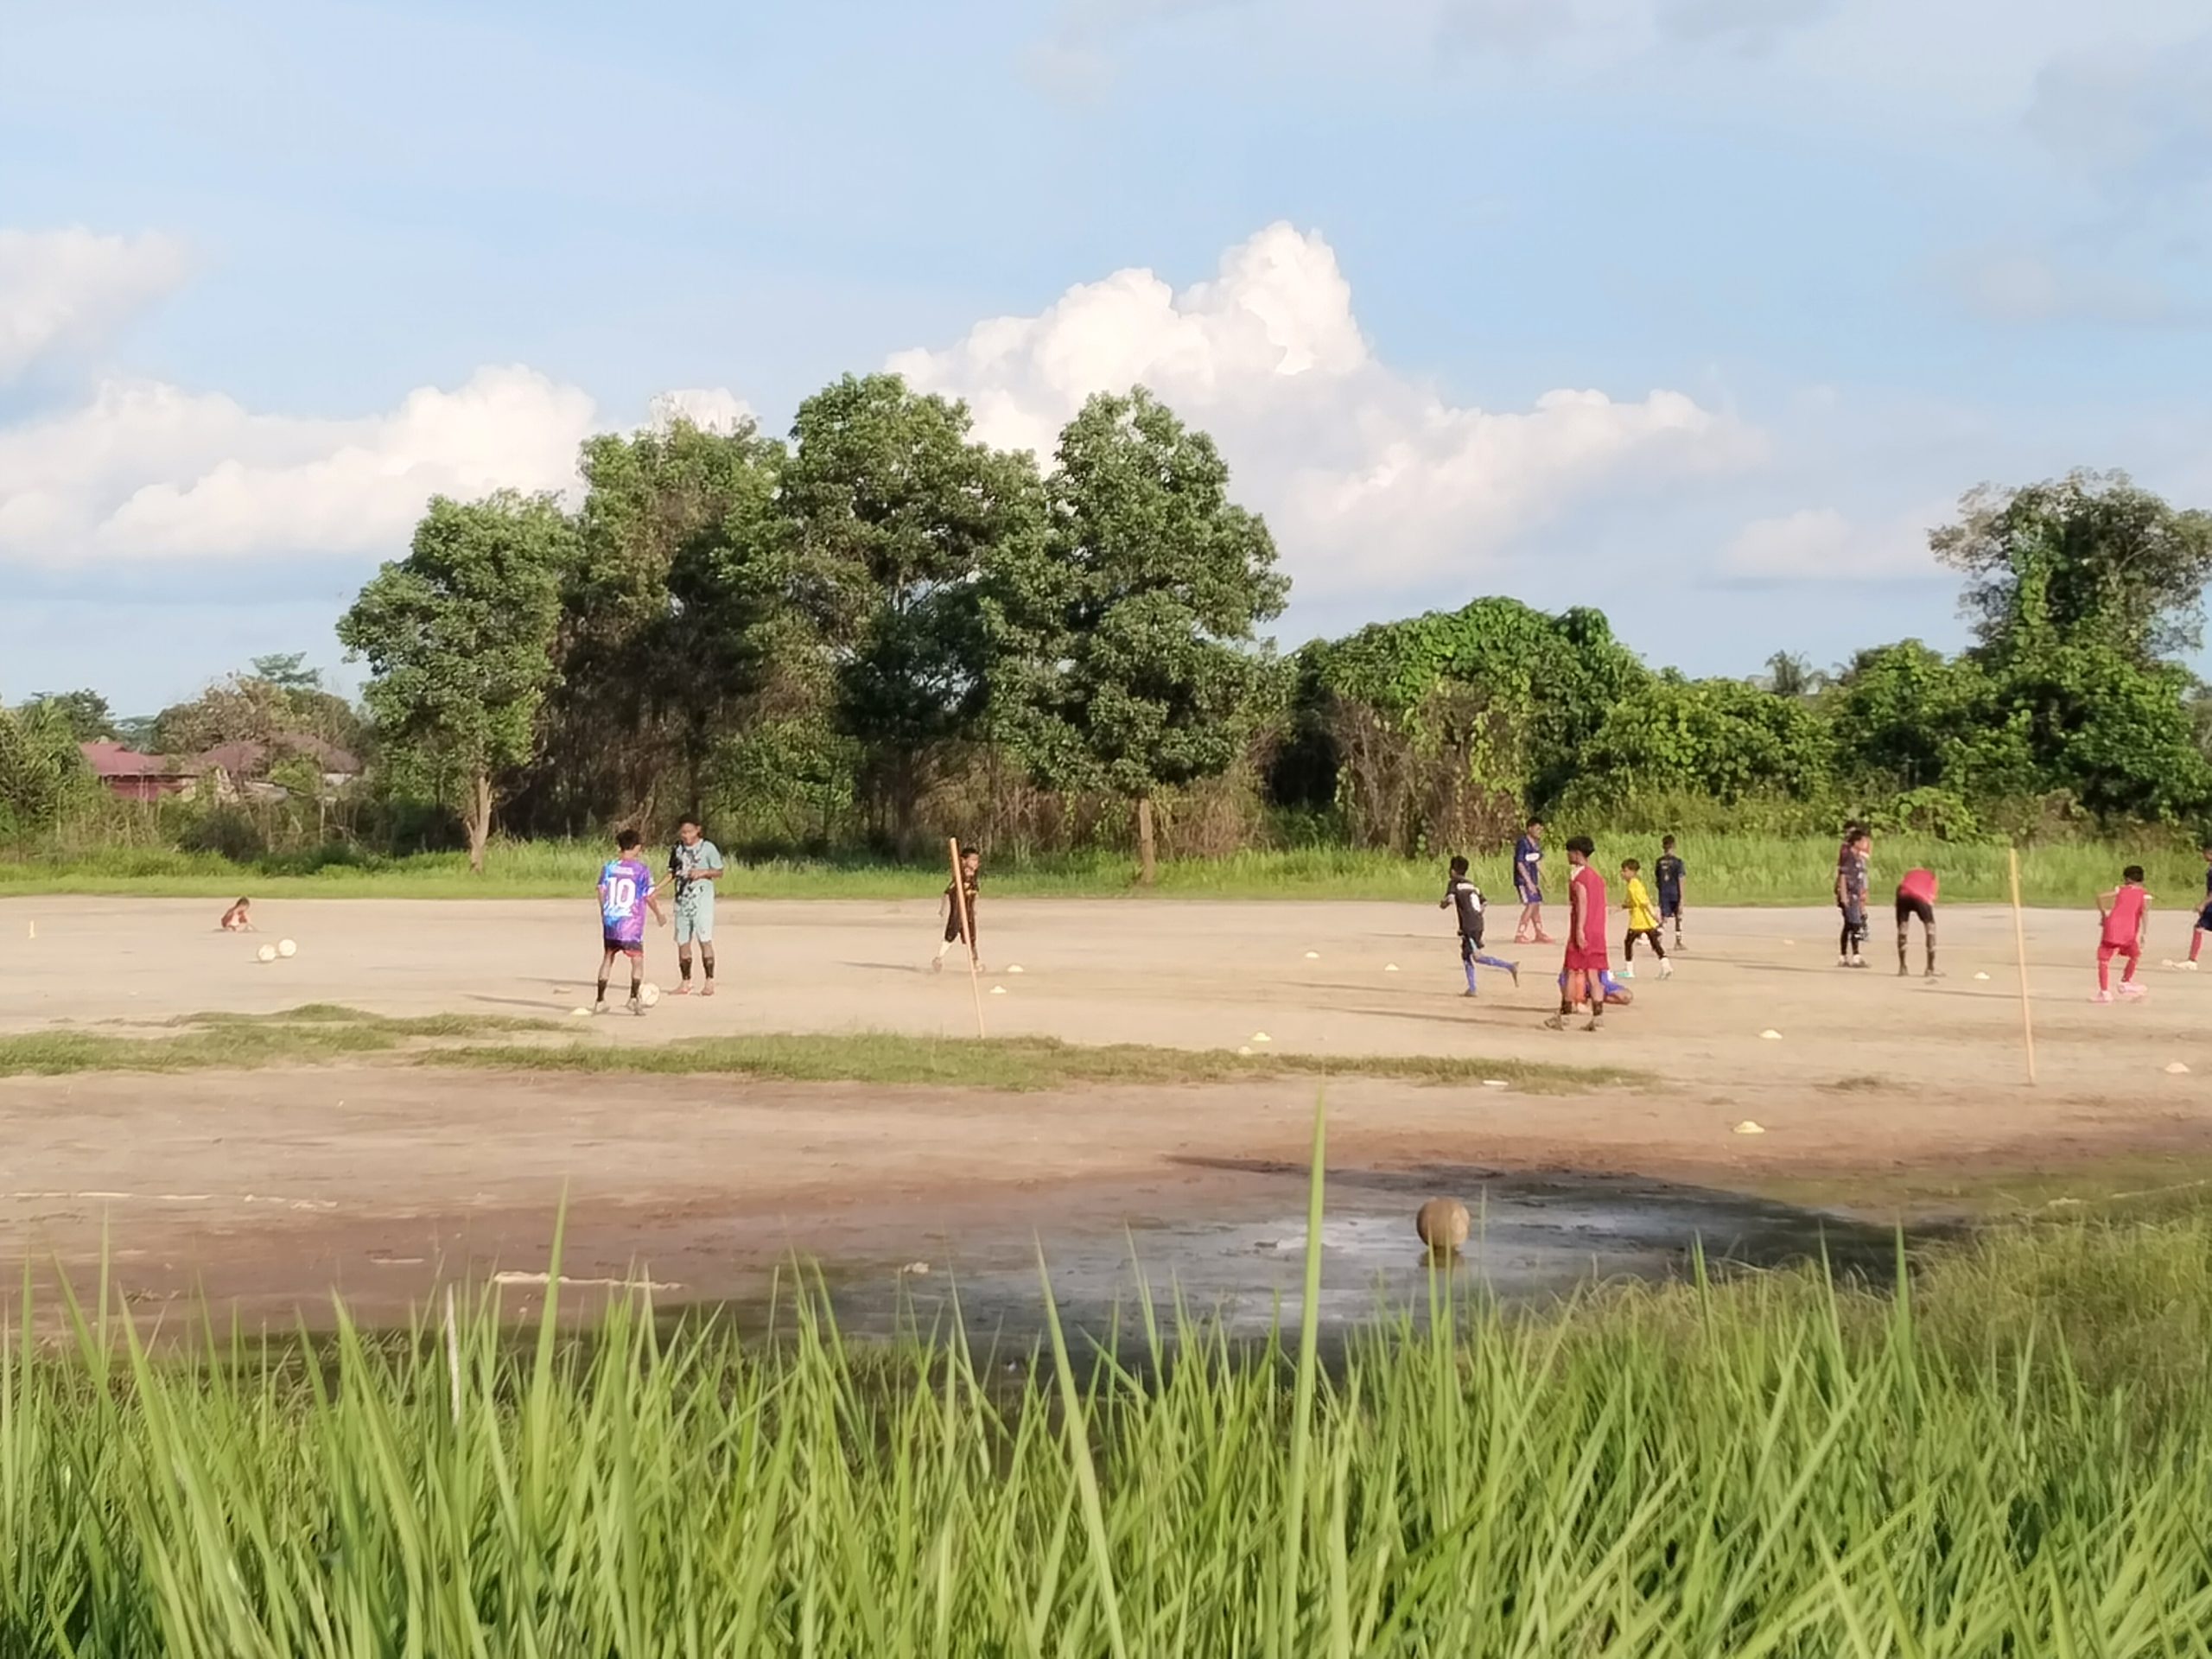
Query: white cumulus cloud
[
  {"x": 70, "y": 288},
  {"x": 1370, "y": 478},
  {"x": 147, "y": 471},
  {"x": 1822, "y": 544},
  {"x": 711, "y": 409}
]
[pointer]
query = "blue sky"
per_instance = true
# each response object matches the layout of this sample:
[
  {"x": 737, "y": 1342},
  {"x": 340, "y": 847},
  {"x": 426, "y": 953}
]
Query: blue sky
[{"x": 1699, "y": 310}]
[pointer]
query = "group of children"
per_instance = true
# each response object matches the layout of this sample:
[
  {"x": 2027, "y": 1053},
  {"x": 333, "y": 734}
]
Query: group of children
[
  {"x": 628, "y": 892},
  {"x": 1587, "y": 976}
]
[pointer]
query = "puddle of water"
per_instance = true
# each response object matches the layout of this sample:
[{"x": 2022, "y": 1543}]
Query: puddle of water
[{"x": 1534, "y": 1239}]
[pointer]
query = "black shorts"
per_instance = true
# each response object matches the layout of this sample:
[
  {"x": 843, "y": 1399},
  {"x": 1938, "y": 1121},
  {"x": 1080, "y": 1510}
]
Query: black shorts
[
  {"x": 1469, "y": 943},
  {"x": 1909, "y": 907},
  {"x": 953, "y": 932},
  {"x": 1670, "y": 904}
]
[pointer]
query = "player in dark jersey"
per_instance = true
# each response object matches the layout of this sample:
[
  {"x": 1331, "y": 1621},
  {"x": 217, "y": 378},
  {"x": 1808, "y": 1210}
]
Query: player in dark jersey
[
  {"x": 1462, "y": 894},
  {"x": 1667, "y": 875},
  {"x": 2196, "y": 934},
  {"x": 960, "y": 911}
]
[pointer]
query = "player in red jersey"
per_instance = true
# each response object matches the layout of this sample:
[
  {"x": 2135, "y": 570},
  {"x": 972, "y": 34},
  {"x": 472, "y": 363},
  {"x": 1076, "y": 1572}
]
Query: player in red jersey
[
  {"x": 1587, "y": 961},
  {"x": 2125, "y": 911},
  {"x": 1916, "y": 897}
]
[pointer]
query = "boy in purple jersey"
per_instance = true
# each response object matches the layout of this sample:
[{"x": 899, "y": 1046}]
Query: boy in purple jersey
[{"x": 626, "y": 893}]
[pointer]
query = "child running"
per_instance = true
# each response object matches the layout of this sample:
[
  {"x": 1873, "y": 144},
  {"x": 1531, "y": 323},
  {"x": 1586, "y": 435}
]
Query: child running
[
  {"x": 1586, "y": 965},
  {"x": 626, "y": 893},
  {"x": 1461, "y": 893},
  {"x": 960, "y": 911},
  {"x": 1668, "y": 873},
  {"x": 1916, "y": 897},
  {"x": 1642, "y": 921},
  {"x": 2125, "y": 911},
  {"x": 2195, "y": 934}
]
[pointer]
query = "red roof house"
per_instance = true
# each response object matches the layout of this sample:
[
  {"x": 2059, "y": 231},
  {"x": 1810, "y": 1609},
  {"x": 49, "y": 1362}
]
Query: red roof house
[{"x": 135, "y": 776}]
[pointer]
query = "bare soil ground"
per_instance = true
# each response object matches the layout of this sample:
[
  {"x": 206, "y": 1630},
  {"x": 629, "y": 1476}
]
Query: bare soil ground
[{"x": 274, "y": 1186}]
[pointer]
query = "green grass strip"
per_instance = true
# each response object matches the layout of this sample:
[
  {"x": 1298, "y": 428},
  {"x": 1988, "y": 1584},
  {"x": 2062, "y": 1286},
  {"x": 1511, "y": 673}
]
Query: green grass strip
[{"x": 323, "y": 1033}]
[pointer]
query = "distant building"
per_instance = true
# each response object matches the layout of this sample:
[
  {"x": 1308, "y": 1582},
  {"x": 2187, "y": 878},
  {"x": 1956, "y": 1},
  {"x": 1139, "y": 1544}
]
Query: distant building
[
  {"x": 135, "y": 777},
  {"x": 240, "y": 770}
]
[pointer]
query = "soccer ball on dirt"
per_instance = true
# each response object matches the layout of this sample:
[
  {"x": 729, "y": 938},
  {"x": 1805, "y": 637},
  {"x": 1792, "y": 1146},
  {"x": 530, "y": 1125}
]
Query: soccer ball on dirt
[
  {"x": 286, "y": 948},
  {"x": 267, "y": 953},
  {"x": 649, "y": 993}
]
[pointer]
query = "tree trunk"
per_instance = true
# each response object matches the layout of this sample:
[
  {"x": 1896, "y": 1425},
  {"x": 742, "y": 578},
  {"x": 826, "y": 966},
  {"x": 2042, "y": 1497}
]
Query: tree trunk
[
  {"x": 1147, "y": 853},
  {"x": 480, "y": 819}
]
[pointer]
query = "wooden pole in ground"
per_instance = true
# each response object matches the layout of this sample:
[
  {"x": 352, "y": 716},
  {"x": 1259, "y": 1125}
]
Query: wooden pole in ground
[
  {"x": 966, "y": 912},
  {"x": 2020, "y": 949}
]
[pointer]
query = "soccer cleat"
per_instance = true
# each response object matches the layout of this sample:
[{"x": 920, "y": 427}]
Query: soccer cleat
[
  {"x": 1666, "y": 970},
  {"x": 2129, "y": 988},
  {"x": 2188, "y": 967},
  {"x": 1595, "y": 1024},
  {"x": 637, "y": 1007},
  {"x": 2102, "y": 996},
  {"x": 1557, "y": 1022},
  {"x": 1627, "y": 971}
]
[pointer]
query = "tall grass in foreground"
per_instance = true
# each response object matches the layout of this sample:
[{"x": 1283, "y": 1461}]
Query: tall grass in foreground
[
  {"x": 1724, "y": 870},
  {"x": 2014, "y": 1459}
]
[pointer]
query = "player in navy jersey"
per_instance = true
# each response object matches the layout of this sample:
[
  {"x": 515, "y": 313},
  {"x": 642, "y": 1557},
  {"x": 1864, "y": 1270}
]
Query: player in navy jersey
[{"x": 1529, "y": 884}]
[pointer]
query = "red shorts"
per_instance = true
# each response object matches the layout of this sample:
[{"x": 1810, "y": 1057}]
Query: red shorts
[
  {"x": 1591, "y": 961},
  {"x": 2107, "y": 949}
]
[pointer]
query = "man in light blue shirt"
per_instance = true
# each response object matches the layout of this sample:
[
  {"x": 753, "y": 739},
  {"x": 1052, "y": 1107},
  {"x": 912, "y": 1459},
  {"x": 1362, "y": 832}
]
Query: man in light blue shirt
[{"x": 696, "y": 865}]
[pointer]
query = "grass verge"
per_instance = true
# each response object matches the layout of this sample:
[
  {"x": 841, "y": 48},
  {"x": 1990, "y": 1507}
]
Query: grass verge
[
  {"x": 2011, "y": 1453},
  {"x": 1730, "y": 870},
  {"x": 321, "y": 1033}
]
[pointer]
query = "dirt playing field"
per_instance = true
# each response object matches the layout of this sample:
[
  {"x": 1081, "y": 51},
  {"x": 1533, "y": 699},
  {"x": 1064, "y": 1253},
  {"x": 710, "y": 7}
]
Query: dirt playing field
[{"x": 274, "y": 1186}]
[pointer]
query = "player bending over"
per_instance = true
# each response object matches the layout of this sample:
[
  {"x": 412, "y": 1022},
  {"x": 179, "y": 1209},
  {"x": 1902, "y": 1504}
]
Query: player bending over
[
  {"x": 1461, "y": 893},
  {"x": 238, "y": 919},
  {"x": 1642, "y": 921},
  {"x": 1586, "y": 963},
  {"x": 1668, "y": 873},
  {"x": 2125, "y": 911},
  {"x": 1916, "y": 897},
  {"x": 960, "y": 911},
  {"x": 2195, "y": 934},
  {"x": 695, "y": 864},
  {"x": 626, "y": 893}
]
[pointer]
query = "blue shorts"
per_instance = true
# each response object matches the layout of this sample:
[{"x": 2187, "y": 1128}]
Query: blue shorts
[
  {"x": 2204, "y": 917},
  {"x": 1671, "y": 904},
  {"x": 1532, "y": 895},
  {"x": 695, "y": 923}
]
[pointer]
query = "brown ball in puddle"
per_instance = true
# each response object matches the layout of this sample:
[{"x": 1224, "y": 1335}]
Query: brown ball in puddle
[{"x": 1442, "y": 1224}]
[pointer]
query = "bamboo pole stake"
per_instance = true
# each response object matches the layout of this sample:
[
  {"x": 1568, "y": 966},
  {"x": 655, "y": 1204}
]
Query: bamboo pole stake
[
  {"x": 967, "y": 912},
  {"x": 2020, "y": 949}
]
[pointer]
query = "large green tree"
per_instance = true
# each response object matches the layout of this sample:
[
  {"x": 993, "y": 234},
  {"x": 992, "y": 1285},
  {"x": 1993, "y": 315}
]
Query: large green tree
[
  {"x": 1127, "y": 638},
  {"x": 2089, "y": 559},
  {"x": 895, "y": 513},
  {"x": 459, "y": 638},
  {"x": 658, "y": 645},
  {"x": 85, "y": 714}
]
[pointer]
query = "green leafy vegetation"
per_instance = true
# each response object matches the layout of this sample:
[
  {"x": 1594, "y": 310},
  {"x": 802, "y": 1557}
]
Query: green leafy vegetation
[{"x": 2011, "y": 1453}]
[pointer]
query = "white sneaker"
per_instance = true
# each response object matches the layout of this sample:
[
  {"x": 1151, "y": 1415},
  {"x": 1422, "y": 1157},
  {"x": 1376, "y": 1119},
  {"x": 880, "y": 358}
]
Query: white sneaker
[
  {"x": 1627, "y": 972},
  {"x": 1666, "y": 970},
  {"x": 2188, "y": 967}
]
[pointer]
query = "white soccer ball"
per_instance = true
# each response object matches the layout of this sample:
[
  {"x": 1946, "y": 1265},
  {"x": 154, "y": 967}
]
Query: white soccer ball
[
  {"x": 286, "y": 948},
  {"x": 267, "y": 953},
  {"x": 649, "y": 993}
]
